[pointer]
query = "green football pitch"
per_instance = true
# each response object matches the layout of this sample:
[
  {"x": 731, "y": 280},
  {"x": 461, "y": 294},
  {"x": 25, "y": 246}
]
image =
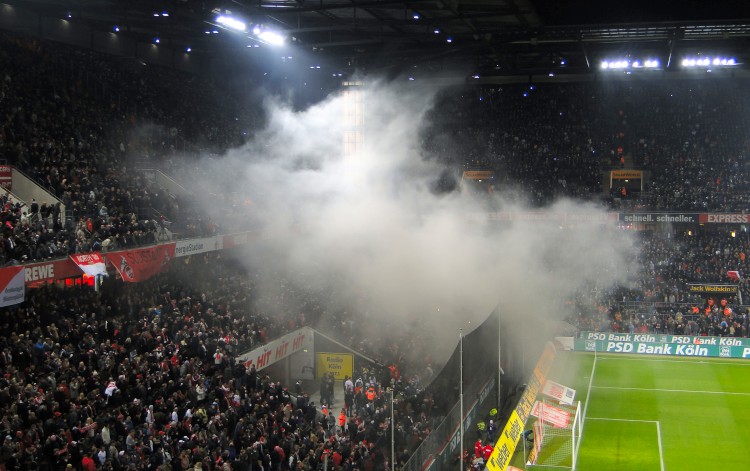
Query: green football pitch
[{"x": 645, "y": 413}]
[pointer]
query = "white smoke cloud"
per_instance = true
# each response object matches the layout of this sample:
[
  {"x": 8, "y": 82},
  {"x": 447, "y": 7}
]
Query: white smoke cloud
[{"x": 372, "y": 223}]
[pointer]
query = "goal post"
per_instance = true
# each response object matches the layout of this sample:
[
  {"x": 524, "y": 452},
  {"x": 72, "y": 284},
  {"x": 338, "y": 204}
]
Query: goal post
[{"x": 557, "y": 431}]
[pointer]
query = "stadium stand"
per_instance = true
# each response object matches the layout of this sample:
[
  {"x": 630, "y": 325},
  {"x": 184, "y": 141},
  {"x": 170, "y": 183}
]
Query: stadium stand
[{"x": 130, "y": 378}]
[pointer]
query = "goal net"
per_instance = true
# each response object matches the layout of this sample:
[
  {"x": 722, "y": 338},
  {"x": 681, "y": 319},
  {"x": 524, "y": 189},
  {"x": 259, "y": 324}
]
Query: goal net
[{"x": 556, "y": 432}]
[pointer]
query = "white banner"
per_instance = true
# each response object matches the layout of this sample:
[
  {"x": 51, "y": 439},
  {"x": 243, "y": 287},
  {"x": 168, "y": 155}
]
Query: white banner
[
  {"x": 91, "y": 264},
  {"x": 12, "y": 287},
  {"x": 562, "y": 393},
  {"x": 278, "y": 349},
  {"x": 183, "y": 248}
]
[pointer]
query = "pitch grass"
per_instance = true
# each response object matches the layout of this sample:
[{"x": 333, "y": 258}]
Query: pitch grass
[{"x": 658, "y": 413}]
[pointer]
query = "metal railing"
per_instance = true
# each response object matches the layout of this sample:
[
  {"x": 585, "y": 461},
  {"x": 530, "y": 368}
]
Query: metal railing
[{"x": 429, "y": 449}]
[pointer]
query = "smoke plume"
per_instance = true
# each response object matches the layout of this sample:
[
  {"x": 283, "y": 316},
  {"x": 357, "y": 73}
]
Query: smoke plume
[{"x": 372, "y": 225}]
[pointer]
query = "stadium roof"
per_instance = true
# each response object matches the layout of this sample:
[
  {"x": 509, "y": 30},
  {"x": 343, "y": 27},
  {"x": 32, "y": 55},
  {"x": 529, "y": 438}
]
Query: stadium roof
[{"x": 483, "y": 37}]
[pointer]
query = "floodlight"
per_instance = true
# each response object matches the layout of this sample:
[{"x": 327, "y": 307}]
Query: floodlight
[
  {"x": 232, "y": 23},
  {"x": 117, "y": 29},
  {"x": 156, "y": 40},
  {"x": 272, "y": 38}
]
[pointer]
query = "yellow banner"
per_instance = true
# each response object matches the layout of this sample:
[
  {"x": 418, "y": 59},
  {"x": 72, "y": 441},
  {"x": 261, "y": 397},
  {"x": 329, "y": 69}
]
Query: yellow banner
[
  {"x": 626, "y": 174},
  {"x": 506, "y": 444},
  {"x": 478, "y": 174},
  {"x": 340, "y": 364}
]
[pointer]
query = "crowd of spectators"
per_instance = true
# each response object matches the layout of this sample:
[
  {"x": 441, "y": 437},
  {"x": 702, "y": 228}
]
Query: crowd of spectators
[
  {"x": 84, "y": 126},
  {"x": 143, "y": 376},
  {"x": 552, "y": 140}
]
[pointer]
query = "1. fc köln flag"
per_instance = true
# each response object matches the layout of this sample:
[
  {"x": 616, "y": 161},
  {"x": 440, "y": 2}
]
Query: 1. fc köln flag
[
  {"x": 91, "y": 264},
  {"x": 733, "y": 275},
  {"x": 12, "y": 286},
  {"x": 141, "y": 264}
]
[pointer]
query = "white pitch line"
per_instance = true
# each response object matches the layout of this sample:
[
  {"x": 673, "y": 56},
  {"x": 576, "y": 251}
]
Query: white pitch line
[
  {"x": 661, "y": 451},
  {"x": 692, "y": 360},
  {"x": 586, "y": 407},
  {"x": 729, "y": 393},
  {"x": 658, "y": 433},
  {"x": 622, "y": 420}
]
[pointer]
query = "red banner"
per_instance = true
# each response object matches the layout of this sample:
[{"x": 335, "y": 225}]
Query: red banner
[
  {"x": 141, "y": 264},
  {"x": 11, "y": 286},
  {"x": 552, "y": 415},
  {"x": 50, "y": 271},
  {"x": 6, "y": 177}
]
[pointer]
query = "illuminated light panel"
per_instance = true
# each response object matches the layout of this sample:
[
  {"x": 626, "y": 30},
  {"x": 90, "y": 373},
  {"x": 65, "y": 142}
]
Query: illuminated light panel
[
  {"x": 272, "y": 38},
  {"x": 232, "y": 23},
  {"x": 708, "y": 61},
  {"x": 626, "y": 64}
]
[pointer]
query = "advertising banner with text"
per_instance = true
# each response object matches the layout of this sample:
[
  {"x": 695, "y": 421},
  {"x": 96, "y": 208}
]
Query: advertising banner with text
[
  {"x": 184, "y": 248},
  {"x": 712, "y": 288},
  {"x": 549, "y": 216},
  {"x": 625, "y": 174},
  {"x": 506, "y": 444},
  {"x": 11, "y": 286},
  {"x": 719, "y": 218},
  {"x": 668, "y": 349},
  {"x": 340, "y": 364},
  {"x": 552, "y": 415},
  {"x": 563, "y": 394},
  {"x": 6, "y": 177},
  {"x": 278, "y": 349},
  {"x": 659, "y": 217},
  {"x": 664, "y": 338}
]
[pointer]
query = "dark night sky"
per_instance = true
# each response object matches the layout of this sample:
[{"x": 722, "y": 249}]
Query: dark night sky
[{"x": 570, "y": 12}]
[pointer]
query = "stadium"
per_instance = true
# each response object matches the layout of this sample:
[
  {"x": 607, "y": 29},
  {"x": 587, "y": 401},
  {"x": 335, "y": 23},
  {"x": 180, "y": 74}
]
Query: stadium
[{"x": 374, "y": 235}]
